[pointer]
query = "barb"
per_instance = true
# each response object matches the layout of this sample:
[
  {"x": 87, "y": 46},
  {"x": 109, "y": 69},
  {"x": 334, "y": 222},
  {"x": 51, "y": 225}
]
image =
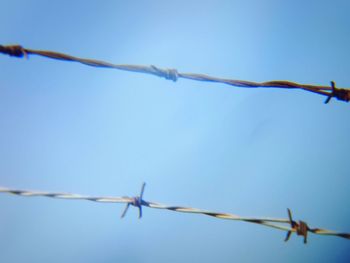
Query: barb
[
  {"x": 174, "y": 75},
  {"x": 289, "y": 225},
  {"x": 137, "y": 202}
]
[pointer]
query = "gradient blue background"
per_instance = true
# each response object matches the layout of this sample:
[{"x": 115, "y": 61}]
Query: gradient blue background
[{"x": 68, "y": 127}]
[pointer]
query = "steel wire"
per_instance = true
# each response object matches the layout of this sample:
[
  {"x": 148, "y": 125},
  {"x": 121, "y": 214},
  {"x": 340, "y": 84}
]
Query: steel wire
[
  {"x": 288, "y": 225},
  {"x": 173, "y": 74}
]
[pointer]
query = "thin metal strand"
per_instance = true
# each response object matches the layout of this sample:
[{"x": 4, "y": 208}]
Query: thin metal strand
[
  {"x": 300, "y": 228},
  {"x": 105, "y": 199},
  {"x": 173, "y": 74},
  {"x": 213, "y": 214}
]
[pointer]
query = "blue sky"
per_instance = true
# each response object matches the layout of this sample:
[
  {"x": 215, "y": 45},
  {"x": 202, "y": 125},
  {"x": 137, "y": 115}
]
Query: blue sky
[{"x": 68, "y": 127}]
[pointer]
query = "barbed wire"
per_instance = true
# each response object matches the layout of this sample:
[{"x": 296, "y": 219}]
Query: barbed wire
[
  {"x": 300, "y": 228},
  {"x": 174, "y": 75}
]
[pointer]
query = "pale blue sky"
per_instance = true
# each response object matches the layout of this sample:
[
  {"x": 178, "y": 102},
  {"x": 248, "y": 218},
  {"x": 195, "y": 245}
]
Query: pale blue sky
[{"x": 68, "y": 127}]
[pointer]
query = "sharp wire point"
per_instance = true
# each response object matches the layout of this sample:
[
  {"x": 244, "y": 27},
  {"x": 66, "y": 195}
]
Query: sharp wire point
[
  {"x": 288, "y": 236},
  {"x": 125, "y": 210}
]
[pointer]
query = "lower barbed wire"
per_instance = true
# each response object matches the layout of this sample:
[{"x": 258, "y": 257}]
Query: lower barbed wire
[{"x": 300, "y": 228}]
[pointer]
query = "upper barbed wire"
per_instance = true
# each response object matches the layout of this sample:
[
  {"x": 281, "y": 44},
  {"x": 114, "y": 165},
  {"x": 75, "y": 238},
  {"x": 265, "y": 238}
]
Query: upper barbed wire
[{"x": 174, "y": 75}]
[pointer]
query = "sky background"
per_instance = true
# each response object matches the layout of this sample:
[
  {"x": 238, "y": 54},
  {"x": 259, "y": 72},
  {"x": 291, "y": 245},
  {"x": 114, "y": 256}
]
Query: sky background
[{"x": 72, "y": 128}]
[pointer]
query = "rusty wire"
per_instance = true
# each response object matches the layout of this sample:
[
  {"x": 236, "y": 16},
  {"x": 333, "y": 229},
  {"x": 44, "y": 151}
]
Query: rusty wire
[
  {"x": 174, "y": 75},
  {"x": 289, "y": 225}
]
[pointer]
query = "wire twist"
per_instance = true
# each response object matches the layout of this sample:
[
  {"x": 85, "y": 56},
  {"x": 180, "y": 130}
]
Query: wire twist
[
  {"x": 170, "y": 74},
  {"x": 300, "y": 228},
  {"x": 174, "y": 75},
  {"x": 13, "y": 50},
  {"x": 137, "y": 201},
  {"x": 340, "y": 94}
]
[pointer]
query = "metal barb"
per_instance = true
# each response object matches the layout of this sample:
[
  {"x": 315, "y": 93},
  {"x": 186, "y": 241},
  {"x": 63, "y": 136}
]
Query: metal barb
[
  {"x": 332, "y": 94},
  {"x": 13, "y": 51},
  {"x": 292, "y": 225},
  {"x": 137, "y": 201},
  {"x": 340, "y": 94},
  {"x": 300, "y": 228}
]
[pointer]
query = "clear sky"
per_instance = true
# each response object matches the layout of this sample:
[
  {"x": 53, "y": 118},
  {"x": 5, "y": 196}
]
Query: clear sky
[{"x": 68, "y": 127}]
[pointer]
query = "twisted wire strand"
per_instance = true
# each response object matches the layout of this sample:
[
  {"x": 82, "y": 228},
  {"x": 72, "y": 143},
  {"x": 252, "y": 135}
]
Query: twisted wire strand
[
  {"x": 300, "y": 228},
  {"x": 104, "y": 199},
  {"x": 262, "y": 220},
  {"x": 174, "y": 75}
]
